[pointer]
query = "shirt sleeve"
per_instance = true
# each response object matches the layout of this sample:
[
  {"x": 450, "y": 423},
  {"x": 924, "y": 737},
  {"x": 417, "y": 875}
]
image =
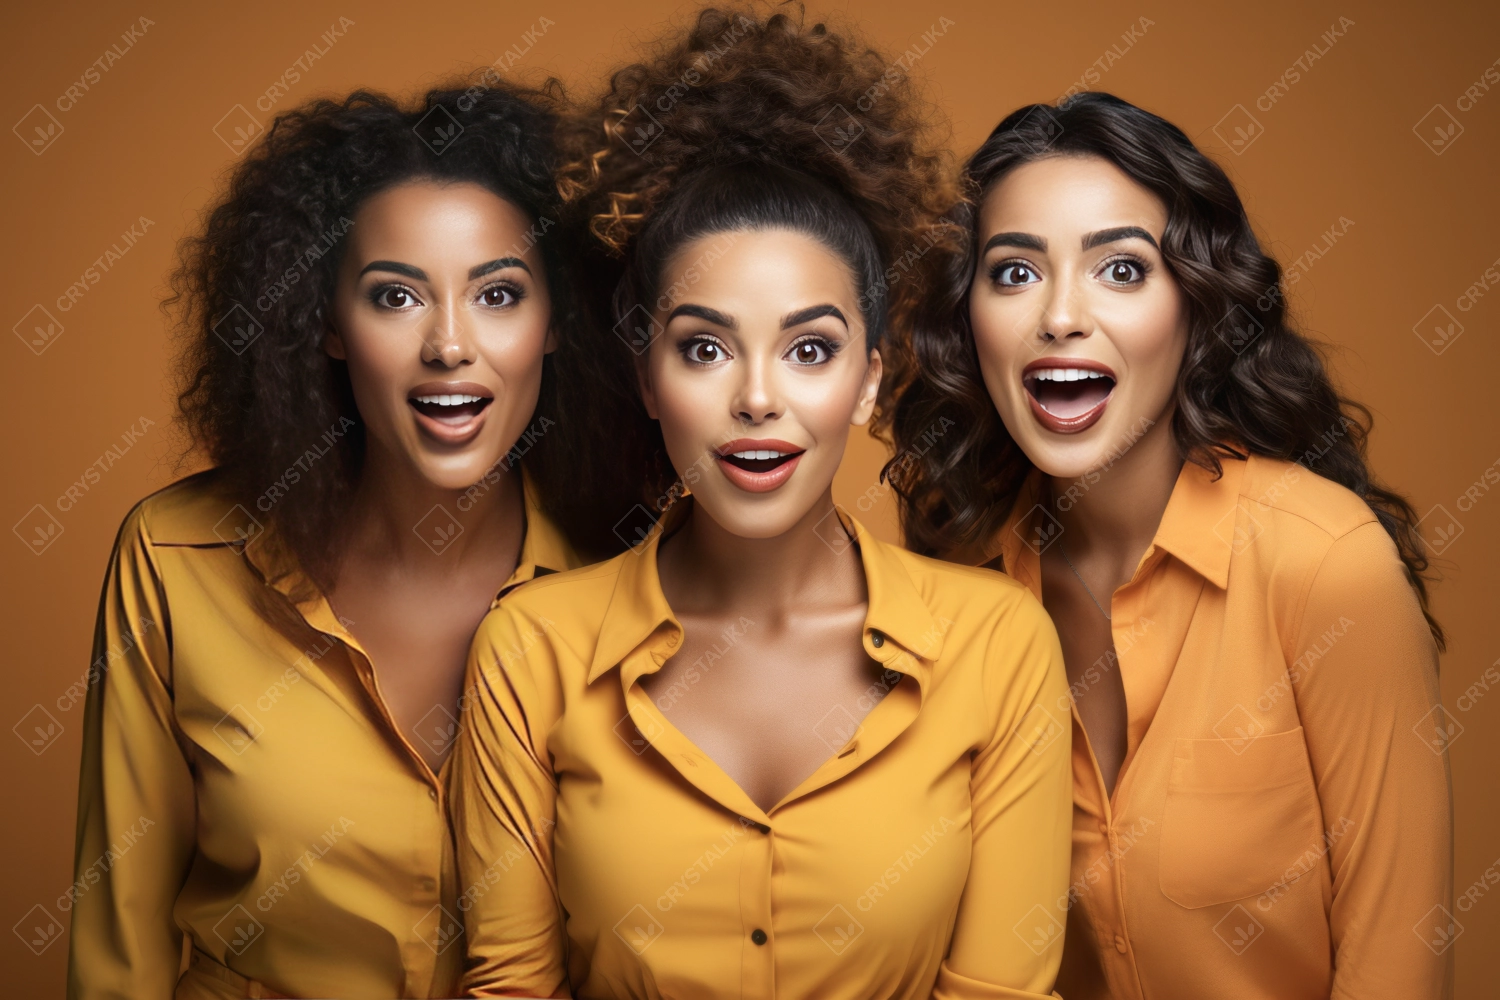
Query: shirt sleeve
[
  {"x": 503, "y": 805},
  {"x": 1008, "y": 938},
  {"x": 1365, "y": 676},
  {"x": 136, "y": 804}
]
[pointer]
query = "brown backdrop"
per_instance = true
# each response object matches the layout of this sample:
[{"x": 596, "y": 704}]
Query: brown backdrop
[{"x": 1365, "y": 139}]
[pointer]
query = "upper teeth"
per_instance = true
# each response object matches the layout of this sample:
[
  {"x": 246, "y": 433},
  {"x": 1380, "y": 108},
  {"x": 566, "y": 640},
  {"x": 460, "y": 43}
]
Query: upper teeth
[
  {"x": 760, "y": 454},
  {"x": 456, "y": 399},
  {"x": 1066, "y": 374}
]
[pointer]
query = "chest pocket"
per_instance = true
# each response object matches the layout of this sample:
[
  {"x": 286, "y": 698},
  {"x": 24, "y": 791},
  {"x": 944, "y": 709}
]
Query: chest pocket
[{"x": 1237, "y": 823}]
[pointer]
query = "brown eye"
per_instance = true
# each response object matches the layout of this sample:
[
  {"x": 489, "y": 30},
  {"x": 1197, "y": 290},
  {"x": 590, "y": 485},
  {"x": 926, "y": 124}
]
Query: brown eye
[
  {"x": 1123, "y": 272},
  {"x": 705, "y": 352},
  {"x": 497, "y": 295},
  {"x": 810, "y": 352},
  {"x": 394, "y": 298}
]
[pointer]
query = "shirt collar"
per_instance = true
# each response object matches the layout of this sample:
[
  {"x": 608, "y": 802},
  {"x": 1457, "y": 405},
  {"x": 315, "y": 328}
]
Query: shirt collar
[
  {"x": 896, "y": 609},
  {"x": 1200, "y": 525}
]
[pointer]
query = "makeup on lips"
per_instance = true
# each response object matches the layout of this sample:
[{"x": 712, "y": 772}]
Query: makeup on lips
[
  {"x": 450, "y": 412},
  {"x": 758, "y": 465},
  {"x": 1067, "y": 395}
]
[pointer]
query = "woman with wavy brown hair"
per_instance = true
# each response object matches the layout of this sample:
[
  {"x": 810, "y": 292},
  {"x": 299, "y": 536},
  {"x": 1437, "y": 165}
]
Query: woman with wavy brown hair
[
  {"x": 1262, "y": 805},
  {"x": 762, "y": 753},
  {"x": 375, "y": 313}
]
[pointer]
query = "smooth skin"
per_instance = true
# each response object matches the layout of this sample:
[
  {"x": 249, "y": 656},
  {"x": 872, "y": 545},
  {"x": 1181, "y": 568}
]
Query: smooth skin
[
  {"x": 1047, "y": 286},
  {"x": 734, "y": 362},
  {"x": 438, "y": 288}
]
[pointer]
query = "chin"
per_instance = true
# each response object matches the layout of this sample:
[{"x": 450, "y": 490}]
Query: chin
[
  {"x": 457, "y": 475},
  {"x": 752, "y": 519}
]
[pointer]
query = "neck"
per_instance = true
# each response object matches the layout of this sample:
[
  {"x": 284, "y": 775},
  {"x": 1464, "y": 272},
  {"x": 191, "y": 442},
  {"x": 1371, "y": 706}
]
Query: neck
[
  {"x": 706, "y": 566},
  {"x": 1114, "y": 518},
  {"x": 393, "y": 517}
]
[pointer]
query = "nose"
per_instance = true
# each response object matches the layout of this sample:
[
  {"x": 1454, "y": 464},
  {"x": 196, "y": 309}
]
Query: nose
[
  {"x": 446, "y": 338},
  {"x": 757, "y": 398},
  {"x": 1065, "y": 313}
]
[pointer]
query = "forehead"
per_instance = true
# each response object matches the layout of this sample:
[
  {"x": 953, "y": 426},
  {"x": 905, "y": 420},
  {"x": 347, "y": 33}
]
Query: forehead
[
  {"x": 1069, "y": 195},
  {"x": 774, "y": 268},
  {"x": 447, "y": 218}
]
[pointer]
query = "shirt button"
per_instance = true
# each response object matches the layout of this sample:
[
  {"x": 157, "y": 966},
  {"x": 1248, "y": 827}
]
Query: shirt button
[
  {"x": 758, "y": 936},
  {"x": 432, "y": 794},
  {"x": 877, "y": 640},
  {"x": 1120, "y": 944}
]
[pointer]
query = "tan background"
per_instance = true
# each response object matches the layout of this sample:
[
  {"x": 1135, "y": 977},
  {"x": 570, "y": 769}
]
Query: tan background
[{"x": 1339, "y": 143}]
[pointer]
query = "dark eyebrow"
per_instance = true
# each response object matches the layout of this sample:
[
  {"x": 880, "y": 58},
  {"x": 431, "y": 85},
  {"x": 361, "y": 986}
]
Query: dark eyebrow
[
  {"x": 1025, "y": 241},
  {"x": 397, "y": 267},
  {"x": 1103, "y": 236},
  {"x": 811, "y": 313},
  {"x": 704, "y": 312},
  {"x": 499, "y": 263}
]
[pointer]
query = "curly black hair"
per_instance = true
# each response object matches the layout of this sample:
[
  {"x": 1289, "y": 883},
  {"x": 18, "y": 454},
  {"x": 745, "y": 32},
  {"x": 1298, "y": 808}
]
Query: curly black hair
[
  {"x": 751, "y": 118},
  {"x": 254, "y": 288},
  {"x": 1249, "y": 383}
]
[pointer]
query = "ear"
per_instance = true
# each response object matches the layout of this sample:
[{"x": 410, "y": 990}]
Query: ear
[
  {"x": 868, "y": 391},
  {"x": 643, "y": 383},
  {"x": 333, "y": 344}
]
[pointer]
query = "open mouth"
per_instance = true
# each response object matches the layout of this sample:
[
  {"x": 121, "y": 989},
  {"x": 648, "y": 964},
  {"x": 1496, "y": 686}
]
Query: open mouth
[
  {"x": 450, "y": 408},
  {"x": 758, "y": 466},
  {"x": 451, "y": 413},
  {"x": 1068, "y": 396}
]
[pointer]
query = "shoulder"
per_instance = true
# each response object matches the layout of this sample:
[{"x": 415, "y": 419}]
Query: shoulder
[
  {"x": 967, "y": 600},
  {"x": 572, "y": 602},
  {"x": 192, "y": 511},
  {"x": 1301, "y": 499}
]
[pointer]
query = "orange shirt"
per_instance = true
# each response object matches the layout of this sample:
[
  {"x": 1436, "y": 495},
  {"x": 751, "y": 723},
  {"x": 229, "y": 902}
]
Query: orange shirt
[
  {"x": 1281, "y": 827},
  {"x": 604, "y": 855},
  {"x": 244, "y": 785}
]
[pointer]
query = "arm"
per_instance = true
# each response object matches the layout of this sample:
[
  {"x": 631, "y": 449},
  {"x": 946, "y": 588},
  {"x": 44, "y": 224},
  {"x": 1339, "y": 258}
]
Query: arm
[
  {"x": 136, "y": 806},
  {"x": 503, "y": 807},
  {"x": 1365, "y": 676},
  {"x": 1008, "y": 938}
]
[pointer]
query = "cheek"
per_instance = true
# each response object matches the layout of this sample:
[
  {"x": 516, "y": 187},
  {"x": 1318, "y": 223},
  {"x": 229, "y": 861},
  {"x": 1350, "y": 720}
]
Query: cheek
[
  {"x": 1151, "y": 336},
  {"x": 995, "y": 320},
  {"x": 377, "y": 369}
]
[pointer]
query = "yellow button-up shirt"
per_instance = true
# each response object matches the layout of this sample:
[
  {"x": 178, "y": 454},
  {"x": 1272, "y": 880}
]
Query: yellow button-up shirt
[
  {"x": 602, "y": 854},
  {"x": 243, "y": 782},
  {"x": 1281, "y": 828}
]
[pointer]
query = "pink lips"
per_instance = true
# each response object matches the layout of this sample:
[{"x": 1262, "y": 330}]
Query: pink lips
[
  {"x": 1072, "y": 405},
  {"x": 758, "y": 475},
  {"x": 443, "y": 417}
]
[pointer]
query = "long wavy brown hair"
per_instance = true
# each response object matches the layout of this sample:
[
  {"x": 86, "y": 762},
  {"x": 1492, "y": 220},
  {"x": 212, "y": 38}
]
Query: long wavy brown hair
[
  {"x": 1249, "y": 383},
  {"x": 750, "y": 118}
]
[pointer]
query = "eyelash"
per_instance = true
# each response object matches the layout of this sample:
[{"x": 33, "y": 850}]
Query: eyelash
[{"x": 516, "y": 292}]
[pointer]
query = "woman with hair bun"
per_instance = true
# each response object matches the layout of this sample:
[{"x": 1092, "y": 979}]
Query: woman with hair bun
[
  {"x": 369, "y": 313},
  {"x": 762, "y": 753},
  {"x": 1144, "y": 441}
]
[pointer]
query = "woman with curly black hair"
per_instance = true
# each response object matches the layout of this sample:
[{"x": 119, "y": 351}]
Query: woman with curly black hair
[
  {"x": 281, "y": 640},
  {"x": 762, "y": 753},
  {"x": 1142, "y": 439}
]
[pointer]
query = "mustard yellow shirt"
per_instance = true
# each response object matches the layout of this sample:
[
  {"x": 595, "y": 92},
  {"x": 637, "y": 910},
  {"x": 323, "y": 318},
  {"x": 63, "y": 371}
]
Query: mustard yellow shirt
[
  {"x": 602, "y": 854},
  {"x": 243, "y": 783}
]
